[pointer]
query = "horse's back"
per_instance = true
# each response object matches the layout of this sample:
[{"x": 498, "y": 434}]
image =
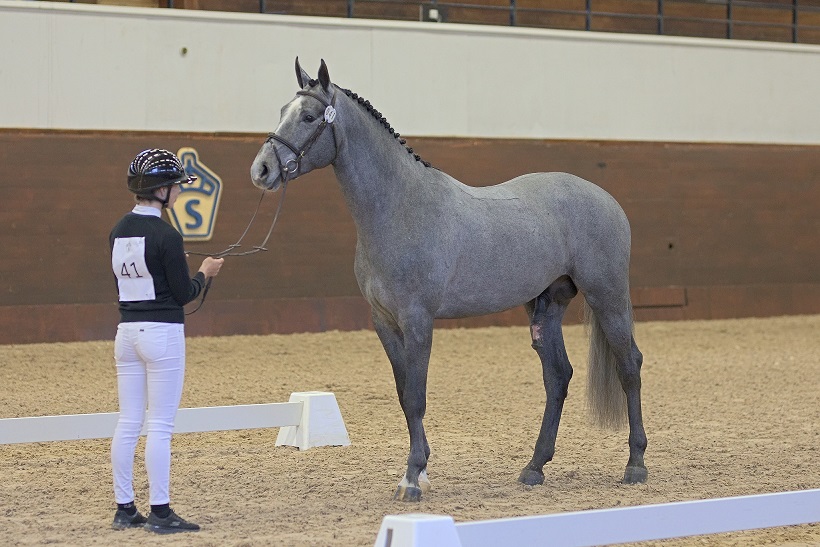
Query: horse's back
[
  {"x": 565, "y": 199},
  {"x": 575, "y": 200},
  {"x": 556, "y": 185},
  {"x": 543, "y": 187}
]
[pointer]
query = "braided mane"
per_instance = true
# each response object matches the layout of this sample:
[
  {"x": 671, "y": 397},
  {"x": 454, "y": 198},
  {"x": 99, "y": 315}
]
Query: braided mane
[{"x": 382, "y": 120}]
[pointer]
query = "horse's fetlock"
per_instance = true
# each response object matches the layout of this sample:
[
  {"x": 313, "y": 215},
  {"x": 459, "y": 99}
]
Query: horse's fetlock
[
  {"x": 638, "y": 441},
  {"x": 415, "y": 464}
]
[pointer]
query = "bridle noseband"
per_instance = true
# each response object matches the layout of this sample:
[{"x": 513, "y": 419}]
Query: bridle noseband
[{"x": 291, "y": 166}]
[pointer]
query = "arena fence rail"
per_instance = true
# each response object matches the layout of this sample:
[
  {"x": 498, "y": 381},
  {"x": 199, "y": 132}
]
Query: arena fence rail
[
  {"x": 308, "y": 419},
  {"x": 606, "y": 526}
]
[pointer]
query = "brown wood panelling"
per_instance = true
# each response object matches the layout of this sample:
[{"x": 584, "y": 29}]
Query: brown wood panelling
[
  {"x": 718, "y": 230},
  {"x": 658, "y": 297},
  {"x": 243, "y": 6},
  {"x": 322, "y": 8},
  {"x": 73, "y": 322},
  {"x": 402, "y": 11},
  {"x": 753, "y": 20}
]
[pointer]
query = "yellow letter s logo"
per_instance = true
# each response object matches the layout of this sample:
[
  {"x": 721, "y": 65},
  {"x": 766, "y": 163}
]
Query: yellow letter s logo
[{"x": 194, "y": 213}]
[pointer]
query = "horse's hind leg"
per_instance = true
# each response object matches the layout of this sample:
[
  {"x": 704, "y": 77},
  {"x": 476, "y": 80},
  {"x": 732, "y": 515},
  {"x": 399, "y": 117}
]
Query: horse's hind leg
[
  {"x": 611, "y": 331},
  {"x": 631, "y": 381},
  {"x": 545, "y": 314}
]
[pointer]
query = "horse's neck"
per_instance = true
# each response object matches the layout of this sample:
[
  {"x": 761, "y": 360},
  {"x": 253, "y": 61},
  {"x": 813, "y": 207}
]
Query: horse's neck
[{"x": 377, "y": 176}]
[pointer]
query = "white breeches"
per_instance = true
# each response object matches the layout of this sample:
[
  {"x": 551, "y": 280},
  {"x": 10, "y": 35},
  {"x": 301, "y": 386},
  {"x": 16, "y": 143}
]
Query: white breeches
[{"x": 150, "y": 368}]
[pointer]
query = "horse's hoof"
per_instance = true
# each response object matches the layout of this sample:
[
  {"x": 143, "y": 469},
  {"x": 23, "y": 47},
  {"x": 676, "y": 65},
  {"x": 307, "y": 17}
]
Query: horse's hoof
[
  {"x": 407, "y": 493},
  {"x": 635, "y": 475},
  {"x": 531, "y": 477}
]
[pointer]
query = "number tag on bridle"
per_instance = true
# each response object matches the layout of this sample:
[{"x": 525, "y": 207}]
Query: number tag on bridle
[{"x": 330, "y": 114}]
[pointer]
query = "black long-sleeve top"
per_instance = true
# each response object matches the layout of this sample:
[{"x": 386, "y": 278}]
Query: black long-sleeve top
[{"x": 155, "y": 245}]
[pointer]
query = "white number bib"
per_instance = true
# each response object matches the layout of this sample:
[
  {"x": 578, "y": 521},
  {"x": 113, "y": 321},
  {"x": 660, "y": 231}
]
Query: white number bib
[{"x": 128, "y": 262}]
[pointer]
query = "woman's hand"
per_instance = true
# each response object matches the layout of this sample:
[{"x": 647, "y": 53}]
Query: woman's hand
[{"x": 210, "y": 266}]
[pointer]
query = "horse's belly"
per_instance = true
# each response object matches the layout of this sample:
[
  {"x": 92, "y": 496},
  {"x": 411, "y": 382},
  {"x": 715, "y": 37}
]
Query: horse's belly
[{"x": 492, "y": 293}]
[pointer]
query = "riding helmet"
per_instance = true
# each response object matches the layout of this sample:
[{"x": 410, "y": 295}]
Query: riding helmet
[{"x": 155, "y": 168}]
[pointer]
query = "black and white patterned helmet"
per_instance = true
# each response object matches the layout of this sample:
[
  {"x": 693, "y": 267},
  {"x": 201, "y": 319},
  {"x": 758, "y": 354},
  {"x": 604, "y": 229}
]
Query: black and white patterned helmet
[{"x": 155, "y": 168}]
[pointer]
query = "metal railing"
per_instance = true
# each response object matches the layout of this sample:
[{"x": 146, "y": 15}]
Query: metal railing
[
  {"x": 660, "y": 17},
  {"x": 656, "y": 15}
]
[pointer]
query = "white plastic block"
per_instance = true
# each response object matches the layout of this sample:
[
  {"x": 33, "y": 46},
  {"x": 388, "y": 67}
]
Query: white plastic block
[
  {"x": 321, "y": 423},
  {"x": 417, "y": 530}
]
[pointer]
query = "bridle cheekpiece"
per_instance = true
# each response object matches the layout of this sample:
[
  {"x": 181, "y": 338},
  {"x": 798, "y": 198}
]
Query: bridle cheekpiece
[{"x": 291, "y": 166}]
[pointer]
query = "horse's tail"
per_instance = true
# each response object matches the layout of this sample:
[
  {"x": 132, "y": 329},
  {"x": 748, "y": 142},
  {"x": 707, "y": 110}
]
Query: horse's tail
[{"x": 605, "y": 396}]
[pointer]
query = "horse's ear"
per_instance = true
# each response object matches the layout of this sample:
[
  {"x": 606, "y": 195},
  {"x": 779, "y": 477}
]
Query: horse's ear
[
  {"x": 302, "y": 77},
  {"x": 324, "y": 77}
]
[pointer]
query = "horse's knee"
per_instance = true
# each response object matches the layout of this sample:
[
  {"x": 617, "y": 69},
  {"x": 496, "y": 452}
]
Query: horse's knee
[
  {"x": 414, "y": 407},
  {"x": 549, "y": 344},
  {"x": 562, "y": 374},
  {"x": 557, "y": 369}
]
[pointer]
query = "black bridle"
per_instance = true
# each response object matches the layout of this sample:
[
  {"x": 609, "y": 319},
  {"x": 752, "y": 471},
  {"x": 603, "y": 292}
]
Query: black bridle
[{"x": 291, "y": 166}]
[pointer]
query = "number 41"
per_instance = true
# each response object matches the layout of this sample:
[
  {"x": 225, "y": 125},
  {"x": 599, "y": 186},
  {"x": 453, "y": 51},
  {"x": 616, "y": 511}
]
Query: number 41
[{"x": 125, "y": 273}]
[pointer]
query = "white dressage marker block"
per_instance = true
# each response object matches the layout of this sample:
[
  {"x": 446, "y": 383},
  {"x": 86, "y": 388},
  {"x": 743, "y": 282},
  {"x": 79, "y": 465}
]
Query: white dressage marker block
[
  {"x": 418, "y": 530},
  {"x": 321, "y": 423}
]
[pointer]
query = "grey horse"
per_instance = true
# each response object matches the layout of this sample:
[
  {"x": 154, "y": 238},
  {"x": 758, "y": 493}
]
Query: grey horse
[{"x": 431, "y": 247}]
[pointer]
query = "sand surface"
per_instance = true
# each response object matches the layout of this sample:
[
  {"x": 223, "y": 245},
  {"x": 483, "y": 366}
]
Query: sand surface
[{"x": 730, "y": 407}]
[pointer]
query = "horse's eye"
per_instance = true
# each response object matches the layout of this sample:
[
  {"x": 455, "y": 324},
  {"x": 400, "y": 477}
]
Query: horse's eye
[{"x": 308, "y": 118}]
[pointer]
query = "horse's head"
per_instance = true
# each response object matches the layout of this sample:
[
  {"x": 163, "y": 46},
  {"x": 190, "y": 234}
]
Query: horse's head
[{"x": 301, "y": 142}]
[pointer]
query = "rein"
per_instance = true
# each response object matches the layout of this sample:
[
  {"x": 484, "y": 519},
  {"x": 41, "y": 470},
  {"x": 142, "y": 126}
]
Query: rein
[
  {"x": 229, "y": 250},
  {"x": 287, "y": 172}
]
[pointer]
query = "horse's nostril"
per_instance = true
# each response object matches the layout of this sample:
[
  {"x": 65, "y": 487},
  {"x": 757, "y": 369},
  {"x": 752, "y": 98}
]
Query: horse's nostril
[{"x": 264, "y": 173}]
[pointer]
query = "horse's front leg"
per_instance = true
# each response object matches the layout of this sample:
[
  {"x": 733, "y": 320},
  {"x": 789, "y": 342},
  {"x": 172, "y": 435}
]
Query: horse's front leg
[{"x": 408, "y": 348}]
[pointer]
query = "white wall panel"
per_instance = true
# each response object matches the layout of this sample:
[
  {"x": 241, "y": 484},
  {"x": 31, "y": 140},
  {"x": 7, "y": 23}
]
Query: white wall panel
[{"x": 75, "y": 66}]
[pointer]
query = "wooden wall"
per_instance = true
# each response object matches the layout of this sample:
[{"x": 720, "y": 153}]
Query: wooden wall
[
  {"x": 767, "y": 20},
  {"x": 718, "y": 230}
]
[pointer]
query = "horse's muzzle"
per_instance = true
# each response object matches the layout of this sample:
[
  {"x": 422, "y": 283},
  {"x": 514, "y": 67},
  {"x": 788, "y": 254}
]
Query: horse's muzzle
[{"x": 265, "y": 177}]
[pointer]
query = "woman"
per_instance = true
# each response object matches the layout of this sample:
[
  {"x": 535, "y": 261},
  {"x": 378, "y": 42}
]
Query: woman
[{"x": 153, "y": 283}]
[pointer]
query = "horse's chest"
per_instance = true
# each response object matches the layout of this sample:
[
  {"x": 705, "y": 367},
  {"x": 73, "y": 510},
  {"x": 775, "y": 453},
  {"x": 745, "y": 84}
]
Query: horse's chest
[{"x": 394, "y": 271}]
